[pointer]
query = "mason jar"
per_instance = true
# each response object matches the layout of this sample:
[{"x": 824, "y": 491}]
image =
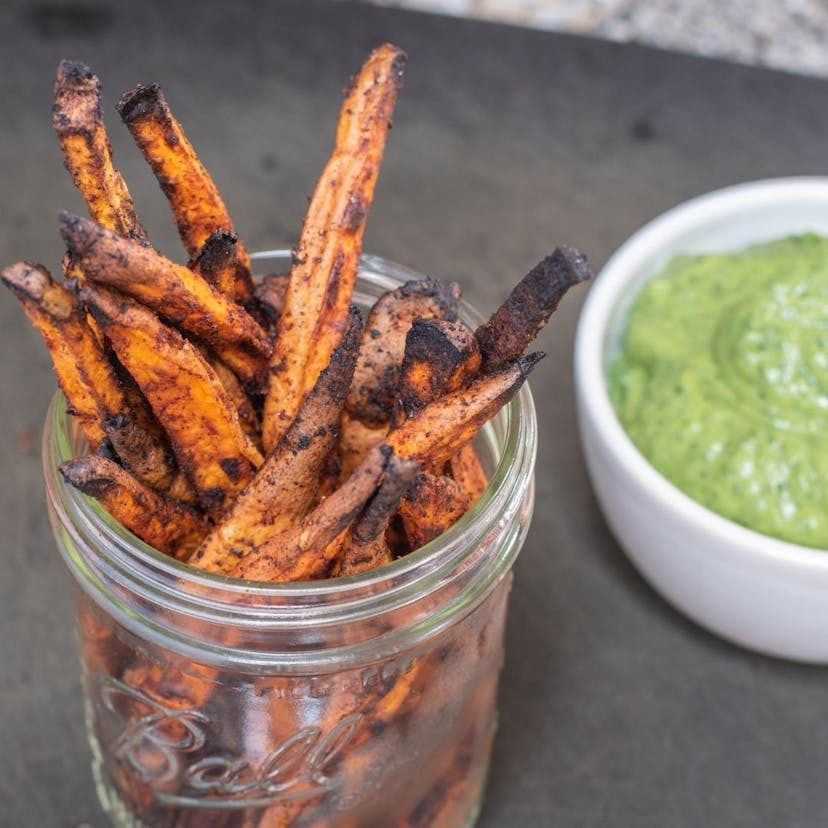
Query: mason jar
[{"x": 353, "y": 702}]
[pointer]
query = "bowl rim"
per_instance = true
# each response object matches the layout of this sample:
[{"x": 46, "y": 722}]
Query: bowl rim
[{"x": 590, "y": 347}]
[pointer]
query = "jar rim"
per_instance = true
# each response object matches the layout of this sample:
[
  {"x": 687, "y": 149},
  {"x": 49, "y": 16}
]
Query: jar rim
[{"x": 269, "y": 604}]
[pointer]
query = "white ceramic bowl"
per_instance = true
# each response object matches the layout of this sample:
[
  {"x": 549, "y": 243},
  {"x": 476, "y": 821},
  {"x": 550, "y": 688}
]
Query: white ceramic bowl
[{"x": 762, "y": 593}]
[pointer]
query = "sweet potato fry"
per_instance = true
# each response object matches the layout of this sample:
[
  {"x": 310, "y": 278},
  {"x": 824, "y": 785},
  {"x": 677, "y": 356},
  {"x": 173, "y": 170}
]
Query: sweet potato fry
[
  {"x": 465, "y": 467},
  {"x": 355, "y": 441},
  {"x": 374, "y": 389},
  {"x": 517, "y": 321},
  {"x": 248, "y": 418},
  {"x": 168, "y": 526},
  {"x": 326, "y": 258},
  {"x": 440, "y": 357},
  {"x": 33, "y": 286},
  {"x": 308, "y": 550},
  {"x": 433, "y": 504},
  {"x": 365, "y": 546},
  {"x": 185, "y": 394},
  {"x": 124, "y": 418},
  {"x": 284, "y": 487},
  {"x": 78, "y": 121},
  {"x": 195, "y": 201},
  {"x": 445, "y": 425},
  {"x": 217, "y": 263},
  {"x": 170, "y": 289},
  {"x": 271, "y": 294}
]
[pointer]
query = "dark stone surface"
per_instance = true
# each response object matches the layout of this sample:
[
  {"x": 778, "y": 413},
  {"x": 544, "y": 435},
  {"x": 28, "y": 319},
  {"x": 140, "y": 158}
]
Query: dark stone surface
[{"x": 615, "y": 710}]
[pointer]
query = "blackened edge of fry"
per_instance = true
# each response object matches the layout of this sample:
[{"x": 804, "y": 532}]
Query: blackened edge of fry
[
  {"x": 78, "y": 233},
  {"x": 81, "y": 474},
  {"x": 517, "y": 321},
  {"x": 75, "y": 80},
  {"x": 144, "y": 101},
  {"x": 399, "y": 476},
  {"x": 216, "y": 251}
]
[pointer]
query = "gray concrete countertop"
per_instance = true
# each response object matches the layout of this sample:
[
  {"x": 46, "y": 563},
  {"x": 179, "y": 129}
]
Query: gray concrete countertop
[{"x": 615, "y": 710}]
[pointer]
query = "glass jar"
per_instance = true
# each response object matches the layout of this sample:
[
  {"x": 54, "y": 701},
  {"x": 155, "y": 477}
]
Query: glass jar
[{"x": 361, "y": 701}]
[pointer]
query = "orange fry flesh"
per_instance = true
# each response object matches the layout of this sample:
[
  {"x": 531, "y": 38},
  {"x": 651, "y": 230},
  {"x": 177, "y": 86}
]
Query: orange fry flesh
[
  {"x": 434, "y": 434},
  {"x": 440, "y": 357},
  {"x": 465, "y": 467},
  {"x": 32, "y": 284},
  {"x": 434, "y": 504},
  {"x": 168, "y": 526},
  {"x": 171, "y": 290},
  {"x": 185, "y": 394},
  {"x": 326, "y": 258},
  {"x": 78, "y": 121},
  {"x": 194, "y": 199},
  {"x": 286, "y": 484}
]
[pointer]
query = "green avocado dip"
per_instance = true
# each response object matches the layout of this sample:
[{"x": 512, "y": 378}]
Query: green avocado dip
[{"x": 722, "y": 383}]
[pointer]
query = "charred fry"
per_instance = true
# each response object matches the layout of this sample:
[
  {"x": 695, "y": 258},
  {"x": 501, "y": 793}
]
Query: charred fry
[
  {"x": 365, "y": 546},
  {"x": 219, "y": 265},
  {"x": 327, "y": 256},
  {"x": 271, "y": 294},
  {"x": 88, "y": 378},
  {"x": 162, "y": 523},
  {"x": 307, "y": 551},
  {"x": 78, "y": 121},
  {"x": 196, "y": 204},
  {"x": 434, "y": 504},
  {"x": 284, "y": 487},
  {"x": 445, "y": 425},
  {"x": 185, "y": 394},
  {"x": 171, "y": 290},
  {"x": 374, "y": 389},
  {"x": 31, "y": 284},
  {"x": 440, "y": 357},
  {"x": 517, "y": 321},
  {"x": 355, "y": 441},
  {"x": 465, "y": 467}
]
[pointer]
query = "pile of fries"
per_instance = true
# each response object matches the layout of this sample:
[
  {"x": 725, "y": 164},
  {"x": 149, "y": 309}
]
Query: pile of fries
[{"x": 267, "y": 431}]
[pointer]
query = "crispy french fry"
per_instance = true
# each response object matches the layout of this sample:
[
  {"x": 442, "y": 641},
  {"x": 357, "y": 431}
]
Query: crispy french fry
[
  {"x": 195, "y": 201},
  {"x": 285, "y": 486},
  {"x": 171, "y": 290},
  {"x": 217, "y": 263},
  {"x": 168, "y": 526},
  {"x": 141, "y": 444},
  {"x": 355, "y": 441},
  {"x": 248, "y": 418},
  {"x": 374, "y": 388},
  {"x": 78, "y": 121},
  {"x": 271, "y": 294},
  {"x": 31, "y": 284},
  {"x": 185, "y": 394},
  {"x": 327, "y": 256},
  {"x": 124, "y": 418},
  {"x": 434, "y": 434},
  {"x": 517, "y": 321},
  {"x": 440, "y": 357},
  {"x": 433, "y": 504},
  {"x": 465, "y": 467},
  {"x": 308, "y": 550},
  {"x": 365, "y": 546}
]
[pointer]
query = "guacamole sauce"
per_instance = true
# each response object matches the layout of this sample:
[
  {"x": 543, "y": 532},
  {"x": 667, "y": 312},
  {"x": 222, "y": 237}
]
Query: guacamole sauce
[{"x": 722, "y": 383}]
